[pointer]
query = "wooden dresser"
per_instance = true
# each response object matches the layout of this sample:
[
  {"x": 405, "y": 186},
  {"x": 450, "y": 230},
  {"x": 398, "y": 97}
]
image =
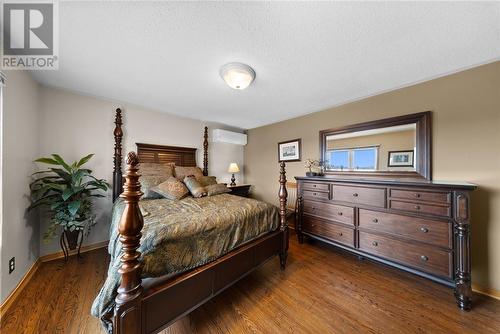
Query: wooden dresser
[{"x": 419, "y": 226}]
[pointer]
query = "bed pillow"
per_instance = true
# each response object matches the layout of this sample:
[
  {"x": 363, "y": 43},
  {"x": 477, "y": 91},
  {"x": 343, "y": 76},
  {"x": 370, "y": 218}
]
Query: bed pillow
[
  {"x": 147, "y": 183},
  {"x": 152, "y": 174},
  {"x": 195, "y": 188},
  {"x": 207, "y": 180},
  {"x": 216, "y": 189},
  {"x": 171, "y": 189},
  {"x": 182, "y": 172},
  {"x": 164, "y": 170}
]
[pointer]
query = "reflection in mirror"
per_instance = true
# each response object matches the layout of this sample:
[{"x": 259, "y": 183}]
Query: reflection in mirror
[{"x": 384, "y": 149}]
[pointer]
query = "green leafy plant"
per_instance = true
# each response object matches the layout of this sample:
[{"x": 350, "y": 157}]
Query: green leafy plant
[{"x": 66, "y": 191}]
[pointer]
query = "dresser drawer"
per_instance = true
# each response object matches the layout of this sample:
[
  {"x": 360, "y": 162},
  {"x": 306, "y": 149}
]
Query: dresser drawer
[
  {"x": 339, "y": 213},
  {"x": 430, "y": 209},
  {"x": 315, "y": 195},
  {"x": 341, "y": 234},
  {"x": 443, "y": 197},
  {"x": 433, "y": 232},
  {"x": 316, "y": 186},
  {"x": 425, "y": 258},
  {"x": 359, "y": 195}
]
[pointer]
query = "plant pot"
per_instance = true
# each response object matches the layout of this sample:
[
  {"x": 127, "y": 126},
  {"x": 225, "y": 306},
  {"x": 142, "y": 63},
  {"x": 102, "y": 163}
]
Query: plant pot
[
  {"x": 311, "y": 174},
  {"x": 72, "y": 238}
]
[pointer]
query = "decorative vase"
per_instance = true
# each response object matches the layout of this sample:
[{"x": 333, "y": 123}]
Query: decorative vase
[{"x": 70, "y": 240}]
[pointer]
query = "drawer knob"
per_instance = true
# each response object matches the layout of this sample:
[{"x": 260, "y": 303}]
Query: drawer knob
[
  {"x": 314, "y": 194},
  {"x": 355, "y": 194},
  {"x": 340, "y": 213},
  {"x": 375, "y": 243},
  {"x": 314, "y": 186},
  {"x": 314, "y": 208},
  {"x": 375, "y": 220},
  {"x": 341, "y": 234},
  {"x": 424, "y": 229},
  {"x": 417, "y": 207},
  {"x": 424, "y": 258},
  {"x": 417, "y": 195}
]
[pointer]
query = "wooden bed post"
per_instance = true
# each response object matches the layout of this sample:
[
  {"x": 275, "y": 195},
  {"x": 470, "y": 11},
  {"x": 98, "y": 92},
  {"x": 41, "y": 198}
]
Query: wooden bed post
[
  {"x": 282, "y": 194},
  {"x": 117, "y": 159},
  {"x": 205, "y": 152},
  {"x": 127, "y": 316}
]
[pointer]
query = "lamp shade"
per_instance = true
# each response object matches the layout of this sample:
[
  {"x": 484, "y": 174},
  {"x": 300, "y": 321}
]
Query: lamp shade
[{"x": 233, "y": 168}]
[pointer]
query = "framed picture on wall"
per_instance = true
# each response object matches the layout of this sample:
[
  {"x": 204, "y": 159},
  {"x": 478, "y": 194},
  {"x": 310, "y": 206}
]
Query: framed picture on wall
[
  {"x": 401, "y": 158},
  {"x": 289, "y": 150}
]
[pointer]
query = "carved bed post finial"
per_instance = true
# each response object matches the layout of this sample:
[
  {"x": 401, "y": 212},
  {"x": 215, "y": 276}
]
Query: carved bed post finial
[
  {"x": 283, "y": 194},
  {"x": 117, "y": 159},
  {"x": 127, "y": 317},
  {"x": 205, "y": 152}
]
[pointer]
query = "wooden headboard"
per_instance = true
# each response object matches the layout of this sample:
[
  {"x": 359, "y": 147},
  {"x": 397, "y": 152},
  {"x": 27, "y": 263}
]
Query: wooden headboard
[{"x": 181, "y": 156}]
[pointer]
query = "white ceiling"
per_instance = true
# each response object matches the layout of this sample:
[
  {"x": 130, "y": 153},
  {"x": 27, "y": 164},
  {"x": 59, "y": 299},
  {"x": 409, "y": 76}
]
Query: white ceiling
[{"x": 308, "y": 56}]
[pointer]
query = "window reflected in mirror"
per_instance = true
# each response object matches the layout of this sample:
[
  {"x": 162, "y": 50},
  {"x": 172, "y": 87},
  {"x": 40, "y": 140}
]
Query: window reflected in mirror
[{"x": 383, "y": 149}]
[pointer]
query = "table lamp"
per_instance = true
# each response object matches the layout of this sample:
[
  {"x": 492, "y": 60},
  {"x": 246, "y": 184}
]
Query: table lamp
[{"x": 233, "y": 168}]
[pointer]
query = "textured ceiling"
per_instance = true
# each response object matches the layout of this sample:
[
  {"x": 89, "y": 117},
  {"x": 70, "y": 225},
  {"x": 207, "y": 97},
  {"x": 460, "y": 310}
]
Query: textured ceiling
[{"x": 308, "y": 56}]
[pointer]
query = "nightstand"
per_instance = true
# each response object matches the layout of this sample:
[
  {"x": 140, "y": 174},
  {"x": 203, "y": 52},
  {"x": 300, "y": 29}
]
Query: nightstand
[{"x": 242, "y": 190}]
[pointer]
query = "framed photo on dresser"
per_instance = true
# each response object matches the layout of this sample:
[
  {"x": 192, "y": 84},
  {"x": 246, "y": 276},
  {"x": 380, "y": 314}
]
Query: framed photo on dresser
[
  {"x": 289, "y": 150},
  {"x": 401, "y": 158}
]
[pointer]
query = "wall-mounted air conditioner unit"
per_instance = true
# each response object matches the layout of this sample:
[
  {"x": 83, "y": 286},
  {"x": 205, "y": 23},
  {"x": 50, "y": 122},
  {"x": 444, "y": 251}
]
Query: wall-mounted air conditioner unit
[{"x": 224, "y": 136}]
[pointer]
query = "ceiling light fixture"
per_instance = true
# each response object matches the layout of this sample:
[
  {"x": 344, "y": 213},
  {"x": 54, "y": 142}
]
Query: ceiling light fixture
[{"x": 237, "y": 75}]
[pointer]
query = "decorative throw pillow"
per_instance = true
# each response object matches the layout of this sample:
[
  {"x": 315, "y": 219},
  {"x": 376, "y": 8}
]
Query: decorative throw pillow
[
  {"x": 148, "y": 182},
  {"x": 195, "y": 188},
  {"x": 182, "y": 172},
  {"x": 171, "y": 189},
  {"x": 164, "y": 170},
  {"x": 207, "y": 180},
  {"x": 216, "y": 189}
]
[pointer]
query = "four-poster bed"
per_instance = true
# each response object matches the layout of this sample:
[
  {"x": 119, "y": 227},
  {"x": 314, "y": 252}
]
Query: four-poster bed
[{"x": 150, "y": 305}]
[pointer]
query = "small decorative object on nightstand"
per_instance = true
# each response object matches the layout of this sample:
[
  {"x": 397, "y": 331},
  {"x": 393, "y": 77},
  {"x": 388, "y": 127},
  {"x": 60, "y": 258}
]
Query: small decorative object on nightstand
[
  {"x": 233, "y": 168},
  {"x": 242, "y": 190}
]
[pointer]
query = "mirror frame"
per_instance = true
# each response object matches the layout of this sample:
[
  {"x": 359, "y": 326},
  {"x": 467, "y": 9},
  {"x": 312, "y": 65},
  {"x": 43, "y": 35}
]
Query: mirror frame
[{"x": 423, "y": 153}]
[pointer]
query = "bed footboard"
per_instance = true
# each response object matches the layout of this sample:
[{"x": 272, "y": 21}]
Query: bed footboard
[{"x": 131, "y": 315}]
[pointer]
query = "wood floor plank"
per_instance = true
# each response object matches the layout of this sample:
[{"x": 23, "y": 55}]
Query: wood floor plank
[{"x": 323, "y": 290}]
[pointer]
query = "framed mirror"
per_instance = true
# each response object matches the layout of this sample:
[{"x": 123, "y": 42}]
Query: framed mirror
[{"x": 397, "y": 147}]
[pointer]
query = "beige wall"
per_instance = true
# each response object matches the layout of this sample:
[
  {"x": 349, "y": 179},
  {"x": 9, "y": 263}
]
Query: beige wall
[
  {"x": 386, "y": 142},
  {"x": 466, "y": 147},
  {"x": 41, "y": 120},
  {"x": 74, "y": 125},
  {"x": 20, "y": 132}
]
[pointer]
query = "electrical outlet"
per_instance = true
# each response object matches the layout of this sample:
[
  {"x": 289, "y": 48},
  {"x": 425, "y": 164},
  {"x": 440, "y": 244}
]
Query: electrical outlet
[{"x": 12, "y": 265}]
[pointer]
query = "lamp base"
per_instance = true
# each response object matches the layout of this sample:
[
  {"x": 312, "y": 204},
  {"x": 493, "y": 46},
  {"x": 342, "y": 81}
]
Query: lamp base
[{"x": 233, "y": 181}]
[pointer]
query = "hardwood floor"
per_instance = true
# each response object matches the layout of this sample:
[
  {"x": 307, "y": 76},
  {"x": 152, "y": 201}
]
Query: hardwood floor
[{"x": 321, "y": 291}]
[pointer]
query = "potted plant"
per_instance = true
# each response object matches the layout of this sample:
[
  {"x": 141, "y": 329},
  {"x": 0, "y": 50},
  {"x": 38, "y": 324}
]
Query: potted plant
[
  {"x": 66, "y": 191},
  {"x": 321, "y": 168},
  {"x": 310, "y": 164}
]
